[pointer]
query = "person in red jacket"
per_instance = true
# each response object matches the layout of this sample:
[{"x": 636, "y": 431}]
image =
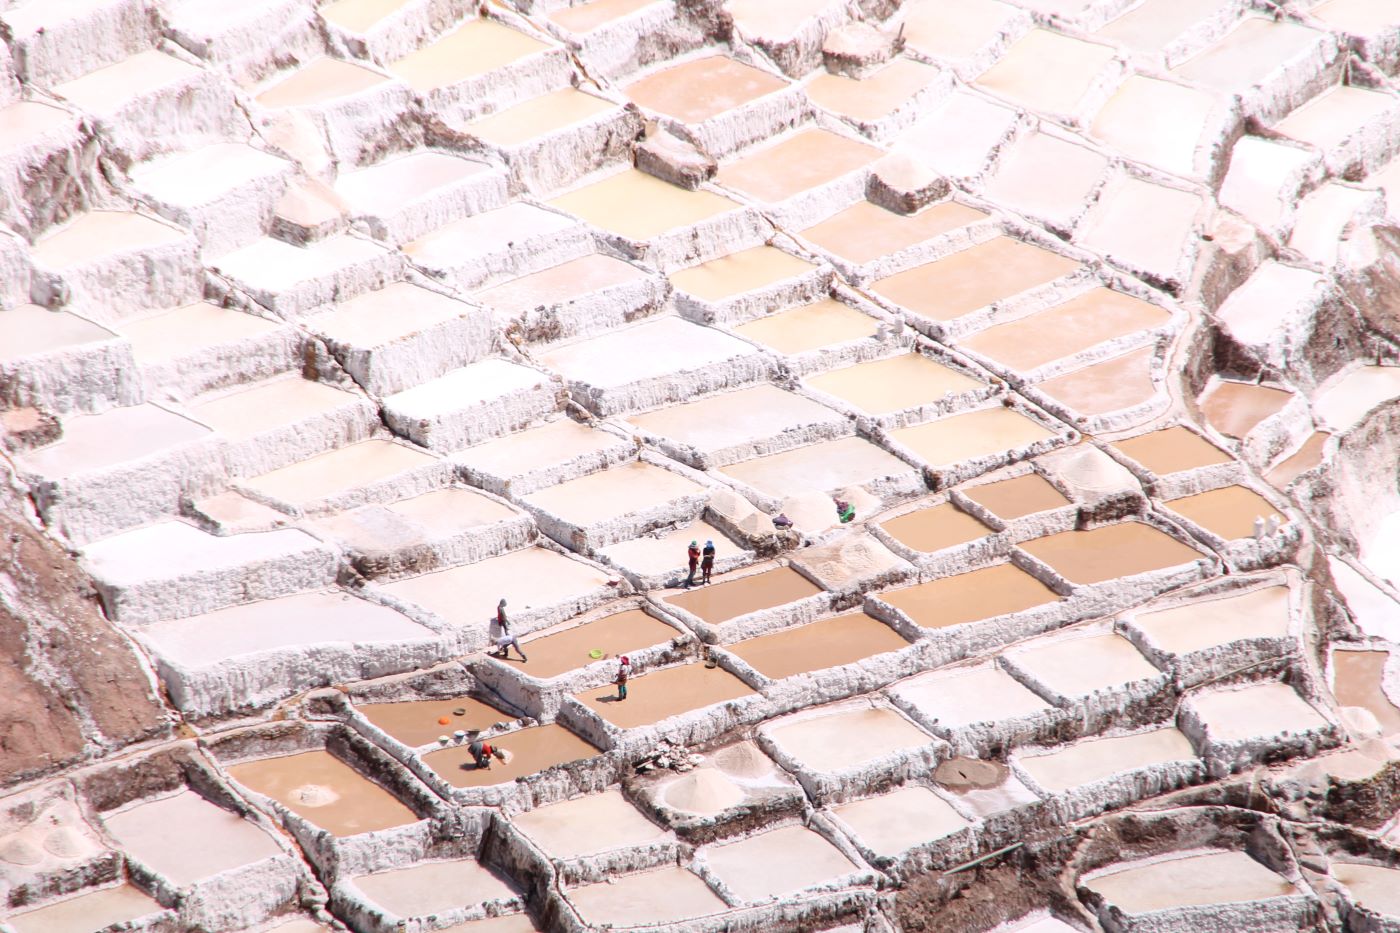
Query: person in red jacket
[
  {"x": 624, "y": 670},
  {"x": 693, "y": 556},
  {"x": 483, "y": 752}
]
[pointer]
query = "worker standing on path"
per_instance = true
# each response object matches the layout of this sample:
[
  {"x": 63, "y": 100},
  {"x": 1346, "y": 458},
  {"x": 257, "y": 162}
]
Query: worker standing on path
[
  {"x": 624, "y": 670},
  {"x": 707, "y": 562},
  {"x": 692, "y": 554},
  {"x": 501, "y": 635}
]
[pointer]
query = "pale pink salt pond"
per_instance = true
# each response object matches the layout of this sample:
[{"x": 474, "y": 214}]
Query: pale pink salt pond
[
  {"x": 1343, "y": 401},
  {"x": 287, "y": 623},
  {"x": 248, "y": 412},
  {"x": 897, "y": 822},
  {"x": 805, "y": 160},
  {"x": 865, "y": 231},
  {"x": 973, "y": 278},
  {"x": 639, "y": 206},
  {"x": 30, "y": 330},
  {"x": 1114, "y": 227},
  {"x": 432, "y": 887},
  {"x": 587, "y": 17},
  {"x": 358, "y": 16},
  {"x": 764, "y": 20},
  {"x": 1080, "y": 666},
  {"x": 531, "y": 578},
  {"x": 1155, "y": 24},
  {"x": 663, "y": 895},
  {"x": 538, "y": 448},
  {"x": 103, "y": 233},
  {"x": 323, "y": 80},
  {"x": 1103, "y": 388},
  {"x": 95, "y": 910},
  {"x": 478, "y": 46},
  {"x": 96, "y": 442},
  {"x": 1047, "y": 71},
  {"x": 1254, "y": 712},
  {"x": 661, "y": 347},
  {"x": 969, "y": 695},
  {"x": 186, "y": 838},
  {"x": 1156, "y": 122},
  {"x": 661, "y": 554},
  {"x": 1358, "y": 17},
  {"x": 822, "y": 742},
  {"x": 1333, "y": 116},
  {"x": 971, "y": 435},
  {"x": 614, "y": 492},
  {"x": 810, "y": 327},
  {"x": 737, "y": 273},
  {"x": 1047, "y": 175},
  {"x": 1214, "y": 877},
  {"x": 1208, "y": 623},
  {"x": 1374, "y": 887},
  {"x": 462, "y": 241},
  {"x": 731, "y": 419},
  {"x": 875, "y": 96},
  {"x": 1248, "y": 54},
  {"x": 697, "y": 90},
  {"x": 1095, "y": 759},
  {"x": 588, "y": 826},
  {"x": 1236, "y": 408},
  {"x": 780, "y": 861},
  {"x": 881, "y": 387},
  {"x": 189, "y": 331},
  {"x": 337, "y": 472},
  {"x": 957, "y": 28},
  {"x": 565, "y": 282},
  {"x": 1066, "y": 329},
  {"x": 376, "y": 529},
  {"x": 821, "y": 467},
  {"x": 538, "y": 117}
]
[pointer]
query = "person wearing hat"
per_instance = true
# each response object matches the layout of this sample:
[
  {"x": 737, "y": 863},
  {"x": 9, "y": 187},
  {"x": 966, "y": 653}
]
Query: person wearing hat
[
  {"x": 483, "y": 752},
  {"x": 624, "y": 670},
  {"x": 692, "y": 554},
  {"x": 707, "y": 562}
]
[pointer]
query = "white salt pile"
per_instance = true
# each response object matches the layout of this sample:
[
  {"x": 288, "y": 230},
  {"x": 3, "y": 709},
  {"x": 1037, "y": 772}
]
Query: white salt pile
[
  {"x": 744, "y": 760},
  {"x": 314, "y": 795},
  {"x": 705, "y": 791}
]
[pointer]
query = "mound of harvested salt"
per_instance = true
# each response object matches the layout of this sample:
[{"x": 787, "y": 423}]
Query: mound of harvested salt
[
  {"x": 1090, "y": 469},
  {"x": 65, "y": 843},
  {"x": 744, "y": 760},
  {"x": 314, "y": 795},
  {"x": 704, "y": 791},
  {"x": 21, "y": 852}
]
